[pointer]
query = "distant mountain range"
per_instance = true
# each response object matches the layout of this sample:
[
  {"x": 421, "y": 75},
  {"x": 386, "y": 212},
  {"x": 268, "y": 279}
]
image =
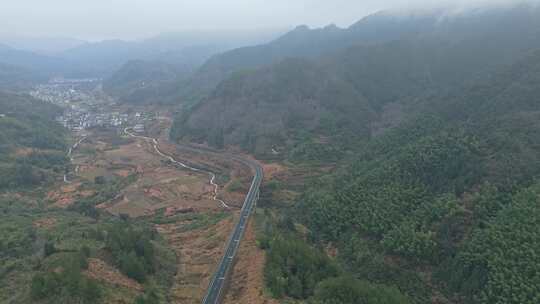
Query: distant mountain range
[
  {"x": 41, "y": 45},
  {"x": 75, "y": 58}
]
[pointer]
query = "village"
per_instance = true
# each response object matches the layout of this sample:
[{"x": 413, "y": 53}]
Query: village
[{"x": 86, "y": 106}]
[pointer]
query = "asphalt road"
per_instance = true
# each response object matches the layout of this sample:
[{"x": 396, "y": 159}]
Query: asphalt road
[{"x": 215, "y": 289}]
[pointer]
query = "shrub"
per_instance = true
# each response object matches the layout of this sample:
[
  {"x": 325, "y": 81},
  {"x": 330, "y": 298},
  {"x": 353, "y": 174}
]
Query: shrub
[
  {"x": 347, "y": 290},
  {"x": 293, "y": 268}
]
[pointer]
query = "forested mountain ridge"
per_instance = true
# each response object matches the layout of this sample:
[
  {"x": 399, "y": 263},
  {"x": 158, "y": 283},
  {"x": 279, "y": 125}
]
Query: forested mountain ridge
[
  {"x": 353, "y": 89},
  {"x": 450, "y": 189},
  {"x": 301, "y": 42},
  {"x": 32, "y": 144},
  {"x": 382, "y": 27},
  {"x": 442, "y": 208},
  {"x": 294, "y": 94}
]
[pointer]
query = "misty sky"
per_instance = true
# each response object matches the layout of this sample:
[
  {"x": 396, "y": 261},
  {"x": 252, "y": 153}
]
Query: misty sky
[{"x": 128, "y": 19}]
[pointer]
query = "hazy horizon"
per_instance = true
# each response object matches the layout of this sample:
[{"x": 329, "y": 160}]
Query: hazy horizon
[{"x": 137, "y": 19}]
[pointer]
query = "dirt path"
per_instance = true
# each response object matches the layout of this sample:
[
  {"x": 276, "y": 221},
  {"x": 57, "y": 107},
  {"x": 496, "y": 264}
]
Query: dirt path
[{"x": 155, "y": 145}]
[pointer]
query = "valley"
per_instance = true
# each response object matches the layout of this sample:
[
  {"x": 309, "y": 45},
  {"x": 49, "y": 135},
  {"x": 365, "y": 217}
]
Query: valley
[
  {"x": 192, "y": 209},
  {"x": 395, "y": 160}
]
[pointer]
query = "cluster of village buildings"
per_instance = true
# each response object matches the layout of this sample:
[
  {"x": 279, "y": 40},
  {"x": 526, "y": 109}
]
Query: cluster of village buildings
[
  {"x": 84, "y": 110},
  {"x": 77, "y": 120}
]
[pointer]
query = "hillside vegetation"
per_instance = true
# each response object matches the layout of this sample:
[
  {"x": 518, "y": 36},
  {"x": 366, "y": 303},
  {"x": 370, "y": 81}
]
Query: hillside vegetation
[
  {"x": 15, "y": 78},
  {"x": 143, "y": 82},
  {"x": 444, "y": 206},
  {"x": 32, "y": 145},
  {"x": 454, "y": 190}
]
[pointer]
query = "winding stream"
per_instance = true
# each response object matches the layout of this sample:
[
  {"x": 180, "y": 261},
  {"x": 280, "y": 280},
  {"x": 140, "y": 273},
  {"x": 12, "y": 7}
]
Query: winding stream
[
  {"x": 70, "y": 153},
  {"x": 170, "y": 158}
]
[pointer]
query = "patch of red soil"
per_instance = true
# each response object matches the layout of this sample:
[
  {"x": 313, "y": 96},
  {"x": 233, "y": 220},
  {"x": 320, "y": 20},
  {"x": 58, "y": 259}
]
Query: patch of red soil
[
  {"x": 101, "y": 271},
  {"x": 86, "y": 193},
  {"x": 153, "y": 192},
  {"x": 271, "y": 170},
  {"x": 171, "y": 211},
  {"x": 122, "y": 173},
  {"x": 23, "y": 152},
  {"x": 66, "y": 195},
  {"x": 64, "y": 202},
  {"x": 46, "y": 223},
  {"x": 84, "y": 168}
]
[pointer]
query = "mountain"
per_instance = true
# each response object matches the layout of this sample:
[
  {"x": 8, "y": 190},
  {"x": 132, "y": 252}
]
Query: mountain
[
  {"x": 175, "y": 56},
  {"x": 348, "y": 92},
  {"x": 16, "y": 78},
  {"x": 451, "y": 194},
  {"x": 41, "y": 45},
  {"x": 45, "y": 66},
  {"x": 75, "y": 58},
  {"x": 103, "y": 54},
  {"x": 301, "y": 42},
  {"x": 105, "y": 58},
  {"x": 38, "y": 63},
  {"x": 184, "y": 49},
  {"x": 382, "y": 27},
  {"x": 268, "y": 105},
  {"x": 141, "y": 81}
]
